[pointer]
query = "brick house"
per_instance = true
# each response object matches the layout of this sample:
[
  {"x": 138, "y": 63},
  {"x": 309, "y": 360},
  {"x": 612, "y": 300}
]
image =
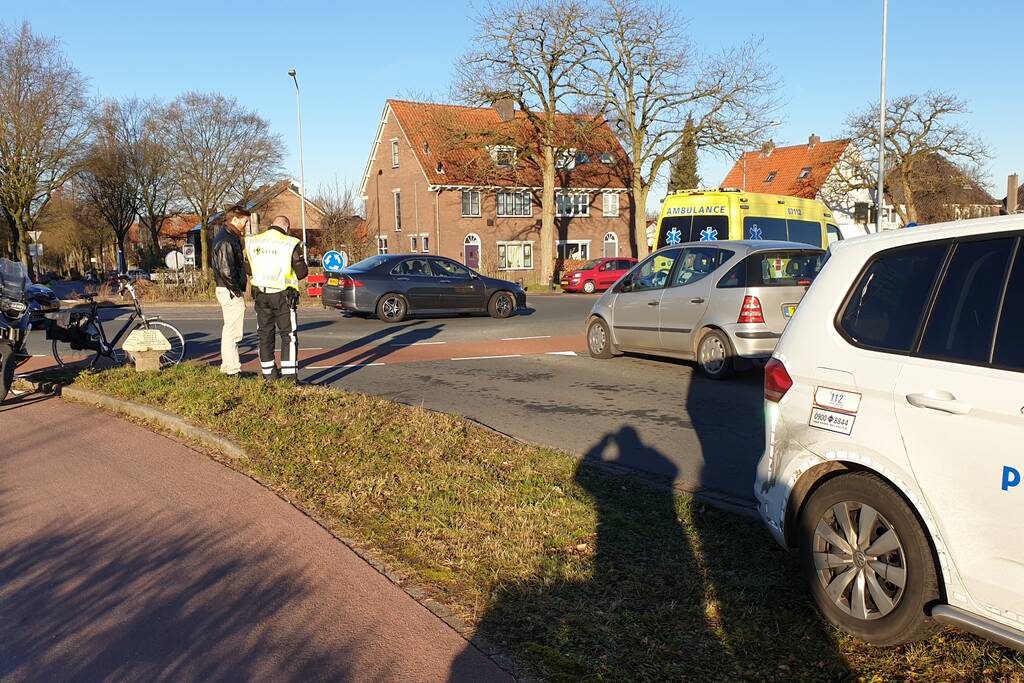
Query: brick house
[
  {"x": 479, "y": 204},
  {"x": 946, "y": 192},
  {"x": 810, "y": 171}
]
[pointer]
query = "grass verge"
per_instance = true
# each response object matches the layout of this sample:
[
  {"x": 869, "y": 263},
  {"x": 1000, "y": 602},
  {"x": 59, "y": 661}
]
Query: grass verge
[{"x": 579, "y": 574}]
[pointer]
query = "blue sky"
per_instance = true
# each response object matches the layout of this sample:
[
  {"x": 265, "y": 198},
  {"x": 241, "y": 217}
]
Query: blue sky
[{"x": 352, "y": 56}]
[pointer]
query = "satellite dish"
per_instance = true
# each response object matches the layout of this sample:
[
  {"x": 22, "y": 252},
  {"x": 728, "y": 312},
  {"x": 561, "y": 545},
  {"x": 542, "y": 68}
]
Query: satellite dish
[{"x": 175, "y": 260}]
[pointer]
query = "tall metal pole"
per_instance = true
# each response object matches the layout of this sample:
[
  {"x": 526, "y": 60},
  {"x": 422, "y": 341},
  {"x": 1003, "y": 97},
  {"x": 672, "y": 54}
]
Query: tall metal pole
[
  {"x": 302, "y": 167},
  {"x": 880, "y": 199}
]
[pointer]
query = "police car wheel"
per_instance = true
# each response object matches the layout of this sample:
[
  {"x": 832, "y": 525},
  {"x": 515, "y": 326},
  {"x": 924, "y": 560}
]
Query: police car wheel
[
  {"x": 589, "y": 287},
  {"x": 715, "y": 355},
  {"x": 392, "y": 308},
  {"x": 599, "y": 341},
  {"x": 867, "y": 560}
]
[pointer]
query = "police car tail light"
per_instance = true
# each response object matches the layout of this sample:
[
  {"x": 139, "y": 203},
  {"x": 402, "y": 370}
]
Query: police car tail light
[
  {"x": 776, "y": 380},
  {"x": 750, "y": 311}
]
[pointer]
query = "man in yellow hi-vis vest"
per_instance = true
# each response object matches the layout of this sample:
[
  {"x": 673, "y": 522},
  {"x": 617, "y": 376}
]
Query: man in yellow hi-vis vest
[{"x": 274, "y": 259}]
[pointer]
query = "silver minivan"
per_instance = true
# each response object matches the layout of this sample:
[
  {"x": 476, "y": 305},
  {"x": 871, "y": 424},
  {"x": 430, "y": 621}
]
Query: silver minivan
[{"x": 712, "y": 302}]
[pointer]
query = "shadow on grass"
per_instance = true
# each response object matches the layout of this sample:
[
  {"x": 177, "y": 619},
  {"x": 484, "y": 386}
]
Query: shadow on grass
[{"x": 673, "y": 591}]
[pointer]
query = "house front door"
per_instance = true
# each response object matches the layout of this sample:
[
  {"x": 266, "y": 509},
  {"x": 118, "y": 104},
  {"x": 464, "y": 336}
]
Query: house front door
[{"x": 473, "y": 256}]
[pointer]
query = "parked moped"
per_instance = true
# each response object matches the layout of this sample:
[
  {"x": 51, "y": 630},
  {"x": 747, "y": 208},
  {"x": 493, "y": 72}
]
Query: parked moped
[{"x": 15, "y": 321}]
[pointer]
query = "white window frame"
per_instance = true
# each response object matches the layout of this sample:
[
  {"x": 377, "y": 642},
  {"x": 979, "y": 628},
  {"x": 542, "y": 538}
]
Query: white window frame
[
  {"x": 414, "y": 241},
  {"x": 499, "y": 150},
  {"x": 614, "y": 240},
  {"x": 606, "y": 198},
  {"x": 397, "y": 205},
  {"x": 527, "y": 203},
  {"x": 520, "y": 244},
  {"x": 382, "y": 245},
  {"x": 478, "y": 206},
  {"x": 584, "y": 244},
  {"x": 424, "y": 242},
  {"x": 394, "y": 152},
  {"x": 575, "y": 204},
  {"x": 566, "y": 160}
]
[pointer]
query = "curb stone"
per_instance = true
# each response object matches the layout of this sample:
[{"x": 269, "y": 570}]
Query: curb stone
[{"x": 172, "y": 423}]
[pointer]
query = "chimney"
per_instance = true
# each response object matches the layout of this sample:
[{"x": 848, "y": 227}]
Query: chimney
[
  {"x": 506, "y": 108},
  {"x": 767, "y": 148},
  {"x": 812, "y": 141},
  {"x": 1011, "y": 194}
]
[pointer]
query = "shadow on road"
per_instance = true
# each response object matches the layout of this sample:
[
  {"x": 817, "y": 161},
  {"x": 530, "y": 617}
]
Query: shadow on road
[
  {"x": 109, "y": 598},
  {"x": 672, "y": 590},
  {"x": 373, "y": 348}
]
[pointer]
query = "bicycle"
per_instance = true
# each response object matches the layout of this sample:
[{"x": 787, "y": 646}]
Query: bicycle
[{"x": 84, "y": 342}]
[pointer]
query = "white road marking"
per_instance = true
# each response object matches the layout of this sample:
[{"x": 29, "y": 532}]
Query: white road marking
[
  {"x": 514, "y": 355},
  {"x": 561, "y": 353},
  {"x": 347, "y": 365},
  {"x": 543, "y": 336},
  {"x": 420, "y": 343}
]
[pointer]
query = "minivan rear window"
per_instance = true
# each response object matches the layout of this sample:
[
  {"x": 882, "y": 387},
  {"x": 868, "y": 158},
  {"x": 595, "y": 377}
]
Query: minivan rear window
[{"x": 782, "y": 268}]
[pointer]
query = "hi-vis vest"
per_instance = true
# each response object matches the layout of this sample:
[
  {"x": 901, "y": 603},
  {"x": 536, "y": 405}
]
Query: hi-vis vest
[{"x": 270, "y": 257}]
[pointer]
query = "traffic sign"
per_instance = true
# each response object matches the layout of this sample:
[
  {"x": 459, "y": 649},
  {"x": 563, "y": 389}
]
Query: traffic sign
[
  {"x": 35, "y": 250},
  {"x": 175, "y": 260},
  {"x": 189, "y": 252},
  {"x": 35, "y": 234},
  {"x": 335, "y": 260}
]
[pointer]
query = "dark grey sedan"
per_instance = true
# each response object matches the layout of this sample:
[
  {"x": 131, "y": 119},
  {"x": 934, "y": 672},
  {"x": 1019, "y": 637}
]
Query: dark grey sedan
[{"x": 394, "y": 286}]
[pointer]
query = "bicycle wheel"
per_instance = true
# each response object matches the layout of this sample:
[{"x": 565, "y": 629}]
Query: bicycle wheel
[{"x": 176, "y": 353}]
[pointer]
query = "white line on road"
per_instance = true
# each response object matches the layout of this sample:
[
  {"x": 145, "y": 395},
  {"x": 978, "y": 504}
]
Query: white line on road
[
  {"x": 561, "y": 353},
  {"x": 514, "y": 355},
  {"x": 543, "y": 336},
  {"x": 348, "y": 365}
]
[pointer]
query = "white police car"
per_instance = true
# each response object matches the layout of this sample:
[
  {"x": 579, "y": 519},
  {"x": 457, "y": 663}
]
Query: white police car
[{"x": 895, "y": 433}]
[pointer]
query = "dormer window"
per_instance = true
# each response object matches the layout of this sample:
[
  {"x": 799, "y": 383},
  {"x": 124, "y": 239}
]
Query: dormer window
[
  {"x": 566, "y": 160},
  {"x": 426, "y": 148},
  {"x": 606, "y": 158},
  {"x": 771, "y": 176},
  {"x": 504, "y": 156},
  {"x": 804, "y": 173},
  {"x": 582, "y": 158},
  {"x": 440, "y": 167}
]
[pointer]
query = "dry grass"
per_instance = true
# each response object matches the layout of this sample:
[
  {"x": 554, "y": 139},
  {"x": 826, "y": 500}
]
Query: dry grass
[{"x": 581, "y": 575}]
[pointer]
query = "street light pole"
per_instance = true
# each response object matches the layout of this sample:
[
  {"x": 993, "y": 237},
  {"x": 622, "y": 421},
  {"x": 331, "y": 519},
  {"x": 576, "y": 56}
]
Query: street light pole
[
  {"x": 880, "y": 199},
  {"x": 302, "y": 168}
]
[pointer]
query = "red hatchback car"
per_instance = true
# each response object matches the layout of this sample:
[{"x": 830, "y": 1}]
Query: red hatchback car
[{"x": 596, "y": 274}]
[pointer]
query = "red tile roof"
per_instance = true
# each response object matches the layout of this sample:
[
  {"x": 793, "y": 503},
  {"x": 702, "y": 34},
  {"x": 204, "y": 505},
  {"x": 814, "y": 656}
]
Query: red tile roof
[
  {"x": 450, "y": 143},
  {"x": 788, "y": 163}
]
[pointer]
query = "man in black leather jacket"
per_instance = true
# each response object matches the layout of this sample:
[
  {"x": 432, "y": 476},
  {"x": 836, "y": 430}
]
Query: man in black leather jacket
[{"x": 228, "y": 265}]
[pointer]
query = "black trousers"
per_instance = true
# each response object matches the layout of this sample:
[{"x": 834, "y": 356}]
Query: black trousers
[{"x": 275, "y": 316}]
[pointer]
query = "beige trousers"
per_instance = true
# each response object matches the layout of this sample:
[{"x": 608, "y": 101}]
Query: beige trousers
[{"x": 233, "y": 309}]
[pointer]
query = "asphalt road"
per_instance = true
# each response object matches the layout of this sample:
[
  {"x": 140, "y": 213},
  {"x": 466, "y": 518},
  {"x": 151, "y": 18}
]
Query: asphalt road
[
  {"x": 137, "y": 558},
  {"x": 528, "y": 376}
]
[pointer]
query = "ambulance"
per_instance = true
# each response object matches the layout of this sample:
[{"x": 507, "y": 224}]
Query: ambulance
[{"x": 729, "y": 214}]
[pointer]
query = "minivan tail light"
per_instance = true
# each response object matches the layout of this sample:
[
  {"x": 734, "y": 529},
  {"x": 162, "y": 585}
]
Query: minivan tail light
[
  {"x": 776, "y": 380},
  {"x": 751, "y": 311}
]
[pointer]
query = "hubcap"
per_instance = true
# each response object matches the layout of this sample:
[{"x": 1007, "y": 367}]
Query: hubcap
[
  {"x": 859, "y": 560},
  {"x": 712, "y": 355},
  {"x": 597, "y": 338},
  {"x": 589, "y": 288}
]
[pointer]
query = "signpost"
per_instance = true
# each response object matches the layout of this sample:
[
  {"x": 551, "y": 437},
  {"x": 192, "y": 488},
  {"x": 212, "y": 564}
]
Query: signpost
[
  {"x": 189, "y": 252},
  {"x": 175, "y": 261},
  {"x": 35, "y": 234},
  {"x": 335, "y": 260}
]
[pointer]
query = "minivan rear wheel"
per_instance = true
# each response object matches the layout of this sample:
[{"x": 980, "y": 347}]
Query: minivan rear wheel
[
  {"x": 714, "y": 355},
  {"x": 867, "y": 560},
  {"x": 599, "y": 340}
]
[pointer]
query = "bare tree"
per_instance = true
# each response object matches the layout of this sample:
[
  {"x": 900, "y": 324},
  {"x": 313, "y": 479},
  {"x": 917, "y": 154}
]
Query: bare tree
[
  {"x": 108, "y": 180},
  {"x": 917, "y": 128},
  {"x": 220, "y": 150},
  {"x": 341, "y": 226},
  {"x": 650, "y": 80},
  {"x": 144, "y": 129},
  {"x": 44, "y": 122},
  {"x": 533, "y": 54}
]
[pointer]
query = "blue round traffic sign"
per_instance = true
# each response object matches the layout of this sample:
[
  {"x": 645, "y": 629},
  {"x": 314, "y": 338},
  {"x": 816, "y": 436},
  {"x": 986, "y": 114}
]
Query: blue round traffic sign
[{"x": 335, "y": 260}]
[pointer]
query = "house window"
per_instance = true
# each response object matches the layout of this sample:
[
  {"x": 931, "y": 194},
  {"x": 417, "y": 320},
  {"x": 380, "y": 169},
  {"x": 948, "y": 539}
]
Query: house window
[
  {"x": 770, "y": 177},
  {"x": 804, "y": 172},
  {"x": 606, "y": 158},
  {"x": 394, "y": 154},
  {"x": 425, "y": 243},
  {"x": 574, "y": 249},
  {"x": 582, "y": 158},
  {"x": 414, "y": 243},
  {"x": 566, "y": 160},
  {"x": 611, "y": 245},
  {"x": 398, "y": 209},
  {"x": 515, "y": 255},
  {"x": 470, "y": 203},
  {"x": 514, "y": 204},
  {"x": 382, "y": 245},
  {"x": 610, "y": 204},
  {"x": 504, "y": 156},
  {"x": 572, "y": 204}
]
